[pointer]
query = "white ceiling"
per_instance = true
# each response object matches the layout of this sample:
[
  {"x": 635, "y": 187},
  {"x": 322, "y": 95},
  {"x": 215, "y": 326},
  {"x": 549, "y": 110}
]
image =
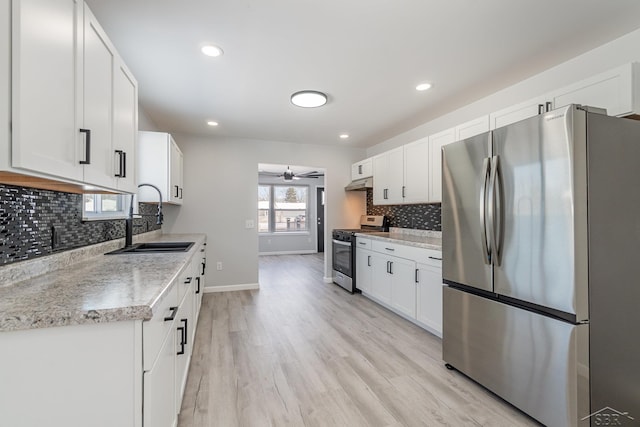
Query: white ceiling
[{"x": 367, "y": 55}]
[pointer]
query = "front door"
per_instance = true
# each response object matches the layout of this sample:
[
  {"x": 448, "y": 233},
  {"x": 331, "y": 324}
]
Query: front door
[{"x": 320, "y": 216}]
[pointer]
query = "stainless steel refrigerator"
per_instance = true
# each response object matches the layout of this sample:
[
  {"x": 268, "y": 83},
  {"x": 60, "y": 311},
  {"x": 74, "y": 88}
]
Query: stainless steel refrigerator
[{"x": 541, "y": 265}]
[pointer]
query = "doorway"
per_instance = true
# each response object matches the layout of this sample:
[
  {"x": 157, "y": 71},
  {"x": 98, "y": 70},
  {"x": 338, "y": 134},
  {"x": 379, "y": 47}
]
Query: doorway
[{"x": 320, "y": 218}]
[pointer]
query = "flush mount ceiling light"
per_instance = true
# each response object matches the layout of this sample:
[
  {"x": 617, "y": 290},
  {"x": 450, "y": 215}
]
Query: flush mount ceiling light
[
  {"x": 309, "y": 99},
  {"x": 423, "y": 86},
  {"x": 344, "y": 136},
  {"x": 211, "y": 50},
  {"x": 212, "y": 123}
]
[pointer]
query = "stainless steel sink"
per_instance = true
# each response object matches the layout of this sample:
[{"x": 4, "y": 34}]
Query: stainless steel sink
[{"x": 153, "y": 247}]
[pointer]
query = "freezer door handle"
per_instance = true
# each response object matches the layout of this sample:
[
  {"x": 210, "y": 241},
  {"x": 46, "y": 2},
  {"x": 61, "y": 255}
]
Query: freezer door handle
[
  {"x": 495, "y": 209},
  {"x": 486, "y": 249}
]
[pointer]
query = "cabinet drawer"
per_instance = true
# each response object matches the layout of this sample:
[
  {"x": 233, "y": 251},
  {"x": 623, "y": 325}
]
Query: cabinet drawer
[
  {"x": 433, "y": 258},
  {"x": 155, "y": 330},
  {"x": 399, "y": 250},
  {"x": 185, "y": 279},
  {"x": 363, "y": 243}
]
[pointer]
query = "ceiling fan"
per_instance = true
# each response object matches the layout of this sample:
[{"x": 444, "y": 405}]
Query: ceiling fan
[{"x": 288, "y": 175}]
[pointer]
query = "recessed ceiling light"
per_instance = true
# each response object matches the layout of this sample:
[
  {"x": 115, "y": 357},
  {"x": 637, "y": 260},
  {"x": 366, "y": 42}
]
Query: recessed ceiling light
[
  {"x": 309, "y": 99},
  {"x": 211, "y": 50},
  {"x": 212, "y": 123},
  {"x": 344, "y": 136},
  {"x": 423, "y": 86}
]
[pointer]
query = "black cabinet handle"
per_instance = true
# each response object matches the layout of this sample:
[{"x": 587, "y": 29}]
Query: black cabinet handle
[
  {"x": 182, "y": 343},
  {"x": 403, "y": 191},
  {"x": 389, "y": 249},
  {"x": 122, "y": 164},
  {"x": 437, "y": 259},
  {"x": 368, "y": 260},
  {"x": 417, "y": 279},
  {"x": 172, "y": 316},
  {"x": 359, "y": 169},
  {"x": 204, "y": 265},
  {"x": 180, "y": 192},
  {"x": 548, "y": 106},
  {"x": 177, "y": 191},
  {"x": 540, "y": 108},
  {"x": 87, "y": 147},
  {"x": 390, "y": 267},
  {"x": 188, "y": 280},
  {"x": 198, "y": 285},
  {"x": 186, "y": 330}
]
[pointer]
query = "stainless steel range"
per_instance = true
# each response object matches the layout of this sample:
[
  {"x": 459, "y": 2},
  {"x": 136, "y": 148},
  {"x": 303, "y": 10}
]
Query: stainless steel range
[{"x": 344, "y": 245}]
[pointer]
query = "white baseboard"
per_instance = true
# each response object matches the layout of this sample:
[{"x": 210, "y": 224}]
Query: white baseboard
[
  {"x": 301, "y": 252},
  {"x": 328, "y": 279},
  {"x": 230, "y": 288}
]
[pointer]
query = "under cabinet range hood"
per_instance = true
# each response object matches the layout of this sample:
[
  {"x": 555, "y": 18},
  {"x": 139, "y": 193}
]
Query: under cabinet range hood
[{"x": 360, "y": 184}]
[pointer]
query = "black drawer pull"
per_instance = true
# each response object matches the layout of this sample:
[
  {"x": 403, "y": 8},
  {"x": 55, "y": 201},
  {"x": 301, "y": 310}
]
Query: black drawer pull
[
  {"x": 198, "y": 286},
  {"x": 174, "y": 311},
  {"x": 437, "y": 259},
  {"x": 181, "y": 329},
  {"x": 188, "y": 280}
]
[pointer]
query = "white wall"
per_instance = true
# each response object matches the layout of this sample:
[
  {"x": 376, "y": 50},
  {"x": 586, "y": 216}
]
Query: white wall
[
  {"x": 145, "y": 122},
  {"x": 296, "y": 242},
  {"x": 220, "y": 194},
  {"x": 615, "y": 53}
]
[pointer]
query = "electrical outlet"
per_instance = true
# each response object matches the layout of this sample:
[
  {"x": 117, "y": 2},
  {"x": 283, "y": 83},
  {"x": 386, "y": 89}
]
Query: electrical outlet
[
  {"x": 219, "y": 265},
  {"x": 249, "y": 223}
]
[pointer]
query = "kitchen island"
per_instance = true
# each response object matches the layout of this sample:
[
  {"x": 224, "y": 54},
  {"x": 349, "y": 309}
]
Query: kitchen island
[{"x": 104, "y": 340}]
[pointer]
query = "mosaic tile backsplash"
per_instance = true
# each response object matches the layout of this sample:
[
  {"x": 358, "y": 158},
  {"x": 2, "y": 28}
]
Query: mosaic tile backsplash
[
  {"x": 421, "y": 216},
  {"x": 27, "y": 215}
]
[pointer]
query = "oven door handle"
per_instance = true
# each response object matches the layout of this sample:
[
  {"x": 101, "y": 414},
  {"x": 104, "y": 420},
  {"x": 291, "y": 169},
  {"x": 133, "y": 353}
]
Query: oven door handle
[{"x": 338, "y": 242}]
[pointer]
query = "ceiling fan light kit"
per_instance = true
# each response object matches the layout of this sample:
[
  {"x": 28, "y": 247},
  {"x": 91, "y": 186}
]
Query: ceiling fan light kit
[
  {"x": 288, "y": 175},
  {"x": 309, "y": 99}
]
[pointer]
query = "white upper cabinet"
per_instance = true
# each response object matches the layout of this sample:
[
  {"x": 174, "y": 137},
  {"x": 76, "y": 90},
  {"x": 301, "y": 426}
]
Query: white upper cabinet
[
  {"x": 472, "y": 128},
  {"x": 388, "y": 170},
  {"x": 45, "y": 136},
  {"x": 99, "y": 58},
  {"x": 362, "y": 169},
  {"x": 436, "y": 142},
  {"x": 518, "y": 112},
  {"x": 416, "y": 172},
  {"x": 160, "y": 164},
  {"x": 401, "y": 175},
  {"x": 68, "y": 97},
  {"x": 125, "y": 127},
  {"x": 615, "y": 90}
]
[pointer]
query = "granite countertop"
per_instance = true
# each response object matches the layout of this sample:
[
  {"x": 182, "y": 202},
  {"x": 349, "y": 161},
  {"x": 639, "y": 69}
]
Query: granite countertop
[
  {"x": 99, "y": 288},
  {"x": 426, "y": 239}
]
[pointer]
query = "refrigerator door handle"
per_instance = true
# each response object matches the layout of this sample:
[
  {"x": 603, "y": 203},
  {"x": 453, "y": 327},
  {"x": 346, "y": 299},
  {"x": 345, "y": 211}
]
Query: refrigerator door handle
[
  {"x": 496, "y": 209},
  {"x": 486, "y": 249}
]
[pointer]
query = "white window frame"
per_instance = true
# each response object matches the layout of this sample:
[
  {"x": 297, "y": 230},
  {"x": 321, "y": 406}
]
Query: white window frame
[
  {"x": 124, "y": 201},
  {"x": 272, "y": 211}
]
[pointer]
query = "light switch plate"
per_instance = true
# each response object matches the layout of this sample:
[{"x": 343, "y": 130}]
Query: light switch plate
[{"x": 249, "y": 223}]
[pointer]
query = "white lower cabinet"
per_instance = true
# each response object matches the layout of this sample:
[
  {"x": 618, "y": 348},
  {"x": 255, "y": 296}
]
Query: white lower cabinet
[
  {"x": 364, "y": 270},
  {"x": 184, "y": 343},
  {"x": 127, "y": 373},
  {"x": 381, "y": 283},
  {"x": 403, "y": 285},
  {"x": 429, "y": 297},
  {"x": 159, "y": 386},
  {"x": 409, "y": 282}
]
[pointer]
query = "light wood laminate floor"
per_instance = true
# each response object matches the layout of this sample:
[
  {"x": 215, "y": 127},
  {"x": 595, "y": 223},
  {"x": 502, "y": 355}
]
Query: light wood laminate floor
[{"x": 301, "y": 352}]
